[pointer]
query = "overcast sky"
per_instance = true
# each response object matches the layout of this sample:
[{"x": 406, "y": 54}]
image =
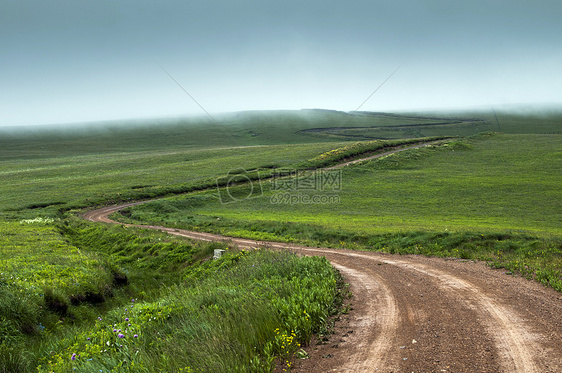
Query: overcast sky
[{"x": 75, "y": 60}]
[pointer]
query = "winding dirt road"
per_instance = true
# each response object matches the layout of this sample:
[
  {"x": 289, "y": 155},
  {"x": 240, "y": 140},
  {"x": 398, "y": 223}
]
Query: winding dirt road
[{"x": 418, "y": 314}]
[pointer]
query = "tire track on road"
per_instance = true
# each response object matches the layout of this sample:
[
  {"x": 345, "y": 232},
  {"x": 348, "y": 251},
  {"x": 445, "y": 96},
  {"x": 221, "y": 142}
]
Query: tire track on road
[
  {"x": 371, "y": 350},
  {"x": 378, "y": 323}
]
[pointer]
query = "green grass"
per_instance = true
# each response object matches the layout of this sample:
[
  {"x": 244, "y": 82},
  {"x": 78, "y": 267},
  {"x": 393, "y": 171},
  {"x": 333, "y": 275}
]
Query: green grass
[
  {"x": 493, "y": 197},
  {"x": 257, "y": 128},
  {"x": 74, "y": 166},
  {"x": 234, "y": 130},
  {"x": 489, "y": 183},
  {"x": 46, "y": 185},
  {"x": 61, "y": 167},
  {"x": 41, "y": 279},
  {"x": 236, "y": 314},
  {"x": 149, "y": 258},
  {"x": 39, "y": 265},
  {"x": 385, "y": 126},
  {"x": 246, "y": 310}
]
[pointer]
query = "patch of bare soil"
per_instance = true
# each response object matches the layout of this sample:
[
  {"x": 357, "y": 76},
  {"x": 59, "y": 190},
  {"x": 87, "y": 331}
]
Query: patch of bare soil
[{"x": 380, "y": 155}]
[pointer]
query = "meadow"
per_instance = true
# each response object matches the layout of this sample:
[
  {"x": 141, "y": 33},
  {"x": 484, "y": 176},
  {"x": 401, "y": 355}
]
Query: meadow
[
  {"x": 79, "y": 296},
  {"x": 45, "y": 185},
  {"x": 90, "y": 297},
  {"x": 489, "y": 182},
  {"x": 453, "y": 199}
]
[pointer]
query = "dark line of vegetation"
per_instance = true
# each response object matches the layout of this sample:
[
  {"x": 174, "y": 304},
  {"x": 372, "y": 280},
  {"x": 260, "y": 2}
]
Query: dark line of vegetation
[{"x": 141, "y": 192}]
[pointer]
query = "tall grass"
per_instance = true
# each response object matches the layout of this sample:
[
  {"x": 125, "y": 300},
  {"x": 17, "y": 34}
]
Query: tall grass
[
  {"x": 175, "y": 310},
  {"x": 45, "y": 284},
  {"x": 236, "y": 314},
  {"x": 40, "y": 274}
]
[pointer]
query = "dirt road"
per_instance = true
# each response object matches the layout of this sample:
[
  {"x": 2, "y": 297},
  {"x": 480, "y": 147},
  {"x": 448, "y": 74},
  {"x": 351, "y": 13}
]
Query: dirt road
[
  {"x": 418, "y": 314},
  {"x": 383, "y": 154}
]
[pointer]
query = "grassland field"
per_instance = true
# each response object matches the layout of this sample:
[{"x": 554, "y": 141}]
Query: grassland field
[
  {"x": 487, "y": 196},
  {"x": 488, "y": 183}
]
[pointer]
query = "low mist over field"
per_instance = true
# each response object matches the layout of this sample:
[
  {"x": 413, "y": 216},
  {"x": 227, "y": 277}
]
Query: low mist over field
[{"x": 67, "y": 62}]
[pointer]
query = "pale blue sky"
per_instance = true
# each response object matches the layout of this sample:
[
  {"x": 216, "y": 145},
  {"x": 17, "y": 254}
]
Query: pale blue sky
[{"x": 74, "y": 60}]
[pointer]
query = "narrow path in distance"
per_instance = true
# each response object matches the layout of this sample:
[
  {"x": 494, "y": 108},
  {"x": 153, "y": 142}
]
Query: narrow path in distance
[
  {"x": 380, "y": 155},
  {"x": 419, "y": 314}
]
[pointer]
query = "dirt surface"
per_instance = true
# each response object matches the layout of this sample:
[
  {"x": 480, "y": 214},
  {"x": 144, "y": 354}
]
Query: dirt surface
[
  {"x": 380, "y": 155},
  {"x": 418, "y": 314}
]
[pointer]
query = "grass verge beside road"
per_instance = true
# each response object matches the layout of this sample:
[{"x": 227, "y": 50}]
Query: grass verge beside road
[{"x": 493, "y": 197}]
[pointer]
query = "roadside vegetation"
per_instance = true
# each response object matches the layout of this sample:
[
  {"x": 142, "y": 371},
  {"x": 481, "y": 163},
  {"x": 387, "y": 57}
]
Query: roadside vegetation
[
  {"x": 236, "y": 314},
  {"x": 93, "y": 297},
  {"x": 160, "y": 305},
  {"x": 41, "y": 275},
  {"x": 481, "y": 198}
]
